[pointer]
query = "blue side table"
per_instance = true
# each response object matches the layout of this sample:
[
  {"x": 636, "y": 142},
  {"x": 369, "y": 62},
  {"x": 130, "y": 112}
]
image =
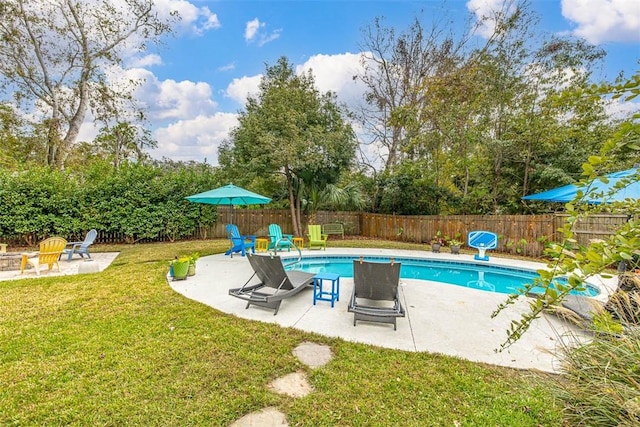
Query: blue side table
[{"x": 321, "y": 295}]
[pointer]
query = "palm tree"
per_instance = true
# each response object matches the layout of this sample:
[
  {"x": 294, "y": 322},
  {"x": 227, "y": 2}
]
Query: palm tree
[{"x": 331, "y": 196}]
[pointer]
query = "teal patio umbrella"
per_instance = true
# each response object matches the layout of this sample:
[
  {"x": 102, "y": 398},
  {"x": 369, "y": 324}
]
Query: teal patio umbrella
[
  {"x": 229, "y": 195},
  {"x": 621, "y": 186}
]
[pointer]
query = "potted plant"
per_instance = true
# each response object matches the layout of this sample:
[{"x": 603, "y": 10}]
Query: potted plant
[
  {"x": 437, "y": 242},
  {"x": 179, "y": 267},
  {"x": 192, "y": 263},
  {"x": 455, "y": 246}
]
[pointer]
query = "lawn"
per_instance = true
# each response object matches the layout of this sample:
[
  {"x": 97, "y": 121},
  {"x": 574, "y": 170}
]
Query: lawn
[{"x": 122, "y": 348}]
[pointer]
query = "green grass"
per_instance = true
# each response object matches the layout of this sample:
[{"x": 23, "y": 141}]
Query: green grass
[{"x": 122, "y": 348}]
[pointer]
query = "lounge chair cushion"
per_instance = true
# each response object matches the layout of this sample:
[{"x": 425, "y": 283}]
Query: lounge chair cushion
[
  {"x": 275, "y": 283},
  {"x": 375, "y": 296}
]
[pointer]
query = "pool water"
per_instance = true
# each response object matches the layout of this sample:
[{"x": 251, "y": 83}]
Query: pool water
[{"x": 492, "y": 278}]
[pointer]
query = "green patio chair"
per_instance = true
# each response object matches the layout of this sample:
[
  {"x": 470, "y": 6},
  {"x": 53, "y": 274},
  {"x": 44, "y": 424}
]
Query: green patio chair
[{"x": 316, "y": 238}]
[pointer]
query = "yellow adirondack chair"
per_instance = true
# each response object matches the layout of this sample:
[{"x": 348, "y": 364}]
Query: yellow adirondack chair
[
  {"x": 49, "y": 254},
  {"x": 316, "y": 238}
]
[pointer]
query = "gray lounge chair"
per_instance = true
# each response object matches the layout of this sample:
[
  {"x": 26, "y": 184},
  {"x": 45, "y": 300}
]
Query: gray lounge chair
[
  {"x": 375, "y": 295},
  {"x": 623, "y": 304},
  {"x": 278, "y": 283}
]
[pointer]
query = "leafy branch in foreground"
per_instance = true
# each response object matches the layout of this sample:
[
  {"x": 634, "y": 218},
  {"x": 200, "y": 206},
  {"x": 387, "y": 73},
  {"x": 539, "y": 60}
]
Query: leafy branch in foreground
[
  {"x": 577, "y": 266},
  {"x": 579, "y": 263}
]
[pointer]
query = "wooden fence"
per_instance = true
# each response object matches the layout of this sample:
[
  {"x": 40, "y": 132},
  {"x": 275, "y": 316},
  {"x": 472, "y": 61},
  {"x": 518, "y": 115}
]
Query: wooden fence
[{"x": 521, "y": 234}]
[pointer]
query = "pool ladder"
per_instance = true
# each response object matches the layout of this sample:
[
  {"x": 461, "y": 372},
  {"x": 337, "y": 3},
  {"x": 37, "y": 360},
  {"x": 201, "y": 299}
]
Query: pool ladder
[{"x": 274, "y": 251}]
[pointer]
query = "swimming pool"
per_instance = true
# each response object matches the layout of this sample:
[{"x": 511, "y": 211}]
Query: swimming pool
[{"x": 492, "y": 278}]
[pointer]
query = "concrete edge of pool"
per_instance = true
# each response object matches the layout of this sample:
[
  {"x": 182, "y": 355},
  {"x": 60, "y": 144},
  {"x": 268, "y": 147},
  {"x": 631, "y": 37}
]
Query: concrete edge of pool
[{"x": 441, "y": 318}]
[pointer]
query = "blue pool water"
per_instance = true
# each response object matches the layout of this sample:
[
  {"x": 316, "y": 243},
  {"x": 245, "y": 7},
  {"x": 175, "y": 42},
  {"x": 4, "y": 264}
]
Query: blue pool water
[{"x": 504, "y": 280}]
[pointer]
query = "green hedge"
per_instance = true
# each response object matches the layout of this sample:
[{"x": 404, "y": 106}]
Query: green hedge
[{"x": 136, "y": 201}]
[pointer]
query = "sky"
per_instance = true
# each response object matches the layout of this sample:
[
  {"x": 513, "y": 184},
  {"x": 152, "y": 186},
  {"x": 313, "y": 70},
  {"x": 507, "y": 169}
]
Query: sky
[{"x": 197, "y": 81}]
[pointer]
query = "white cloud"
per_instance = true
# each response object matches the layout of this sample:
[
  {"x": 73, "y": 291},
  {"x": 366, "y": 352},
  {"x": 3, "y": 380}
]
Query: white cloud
[
  {"x": 195, "y": 136},
  {"x": 602, "y": 21},
  {"x": 252, "y": 29},
  {"x": 194, "y": 139},
  {"x": 211, "y": 20},
  {"x": 193, "y": 19},
  {"x": 331, "y": 73},
  {"x": 144, "y": 61},
  {"x": 240, "y": 89},
  {"x": 170, "y": 99},
  {"x": 88, "y": 130},
  {"x": 228, "y": 67},
  {"x": 485, "y": 11},
  {"x": 266, "y": 38},
  {"x": 182, "y": 115},
  {"x": 335, "y": 73},
  {"x": 183, "y": 99},
  {"x": 619, "y": 109}
]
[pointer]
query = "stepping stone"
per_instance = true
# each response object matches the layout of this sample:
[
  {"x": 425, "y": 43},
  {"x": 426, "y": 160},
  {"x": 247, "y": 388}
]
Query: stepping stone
[
  {"x": 294, "y": 385},
  {"x": 313, "y": 355},
  {"x": 267, "y": 417}
]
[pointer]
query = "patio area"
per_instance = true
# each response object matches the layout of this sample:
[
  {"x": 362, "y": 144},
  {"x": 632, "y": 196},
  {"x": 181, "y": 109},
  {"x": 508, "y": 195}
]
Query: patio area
[
  {"x": 440, "y": 318},
  {"x": 99, "y": 262}
]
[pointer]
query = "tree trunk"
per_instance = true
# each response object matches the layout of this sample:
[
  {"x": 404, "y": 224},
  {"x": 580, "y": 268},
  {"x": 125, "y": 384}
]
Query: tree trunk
[
  {"x": 53, "y": 140},
  {"x": 74, "y": 124},
  {"x": 292, "y": 205}
]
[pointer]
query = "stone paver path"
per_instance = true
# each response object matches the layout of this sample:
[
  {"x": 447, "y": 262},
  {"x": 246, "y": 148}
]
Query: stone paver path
[
  {"x": 267, "y": 417},
  {"x": 295, "y": 384},
  {"x": 313, "y": 355}
]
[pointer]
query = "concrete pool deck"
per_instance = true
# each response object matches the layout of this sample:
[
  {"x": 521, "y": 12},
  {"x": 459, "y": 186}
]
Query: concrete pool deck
[{"x": 440, "y": 318}]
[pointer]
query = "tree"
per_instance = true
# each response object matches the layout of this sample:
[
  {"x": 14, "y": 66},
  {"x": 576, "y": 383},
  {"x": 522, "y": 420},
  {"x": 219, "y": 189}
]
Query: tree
[
  {"x": 579, "y": 263},
  {"x": 332, "y": 196},
  {"x": 290, "y": 130},
  {"x": 124, "y": 141},
  {"x": 10, "y": 125},
  {"x": 483, "y": 125},
  {"x": 54, "y": 56}
]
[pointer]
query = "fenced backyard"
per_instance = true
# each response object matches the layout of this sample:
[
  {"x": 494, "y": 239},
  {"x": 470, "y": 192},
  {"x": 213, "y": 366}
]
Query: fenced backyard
[{"x": 517, "y": 234}]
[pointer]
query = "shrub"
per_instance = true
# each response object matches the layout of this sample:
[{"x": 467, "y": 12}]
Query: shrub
[
  {"x": 600, "y": 381},
  {"x": 137, "y": 201}
]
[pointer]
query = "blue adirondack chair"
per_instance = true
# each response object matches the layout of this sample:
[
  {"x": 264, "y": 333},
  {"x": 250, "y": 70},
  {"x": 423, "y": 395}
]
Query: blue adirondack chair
[
  {"x": 277, "y": 238},
  {"x": 81, "y": 248},
  {"x": 239, "y": 242}
]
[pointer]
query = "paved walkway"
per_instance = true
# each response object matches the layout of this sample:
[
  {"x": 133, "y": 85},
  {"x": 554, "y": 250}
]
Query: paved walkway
[{"x": 447, "y": 319}]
